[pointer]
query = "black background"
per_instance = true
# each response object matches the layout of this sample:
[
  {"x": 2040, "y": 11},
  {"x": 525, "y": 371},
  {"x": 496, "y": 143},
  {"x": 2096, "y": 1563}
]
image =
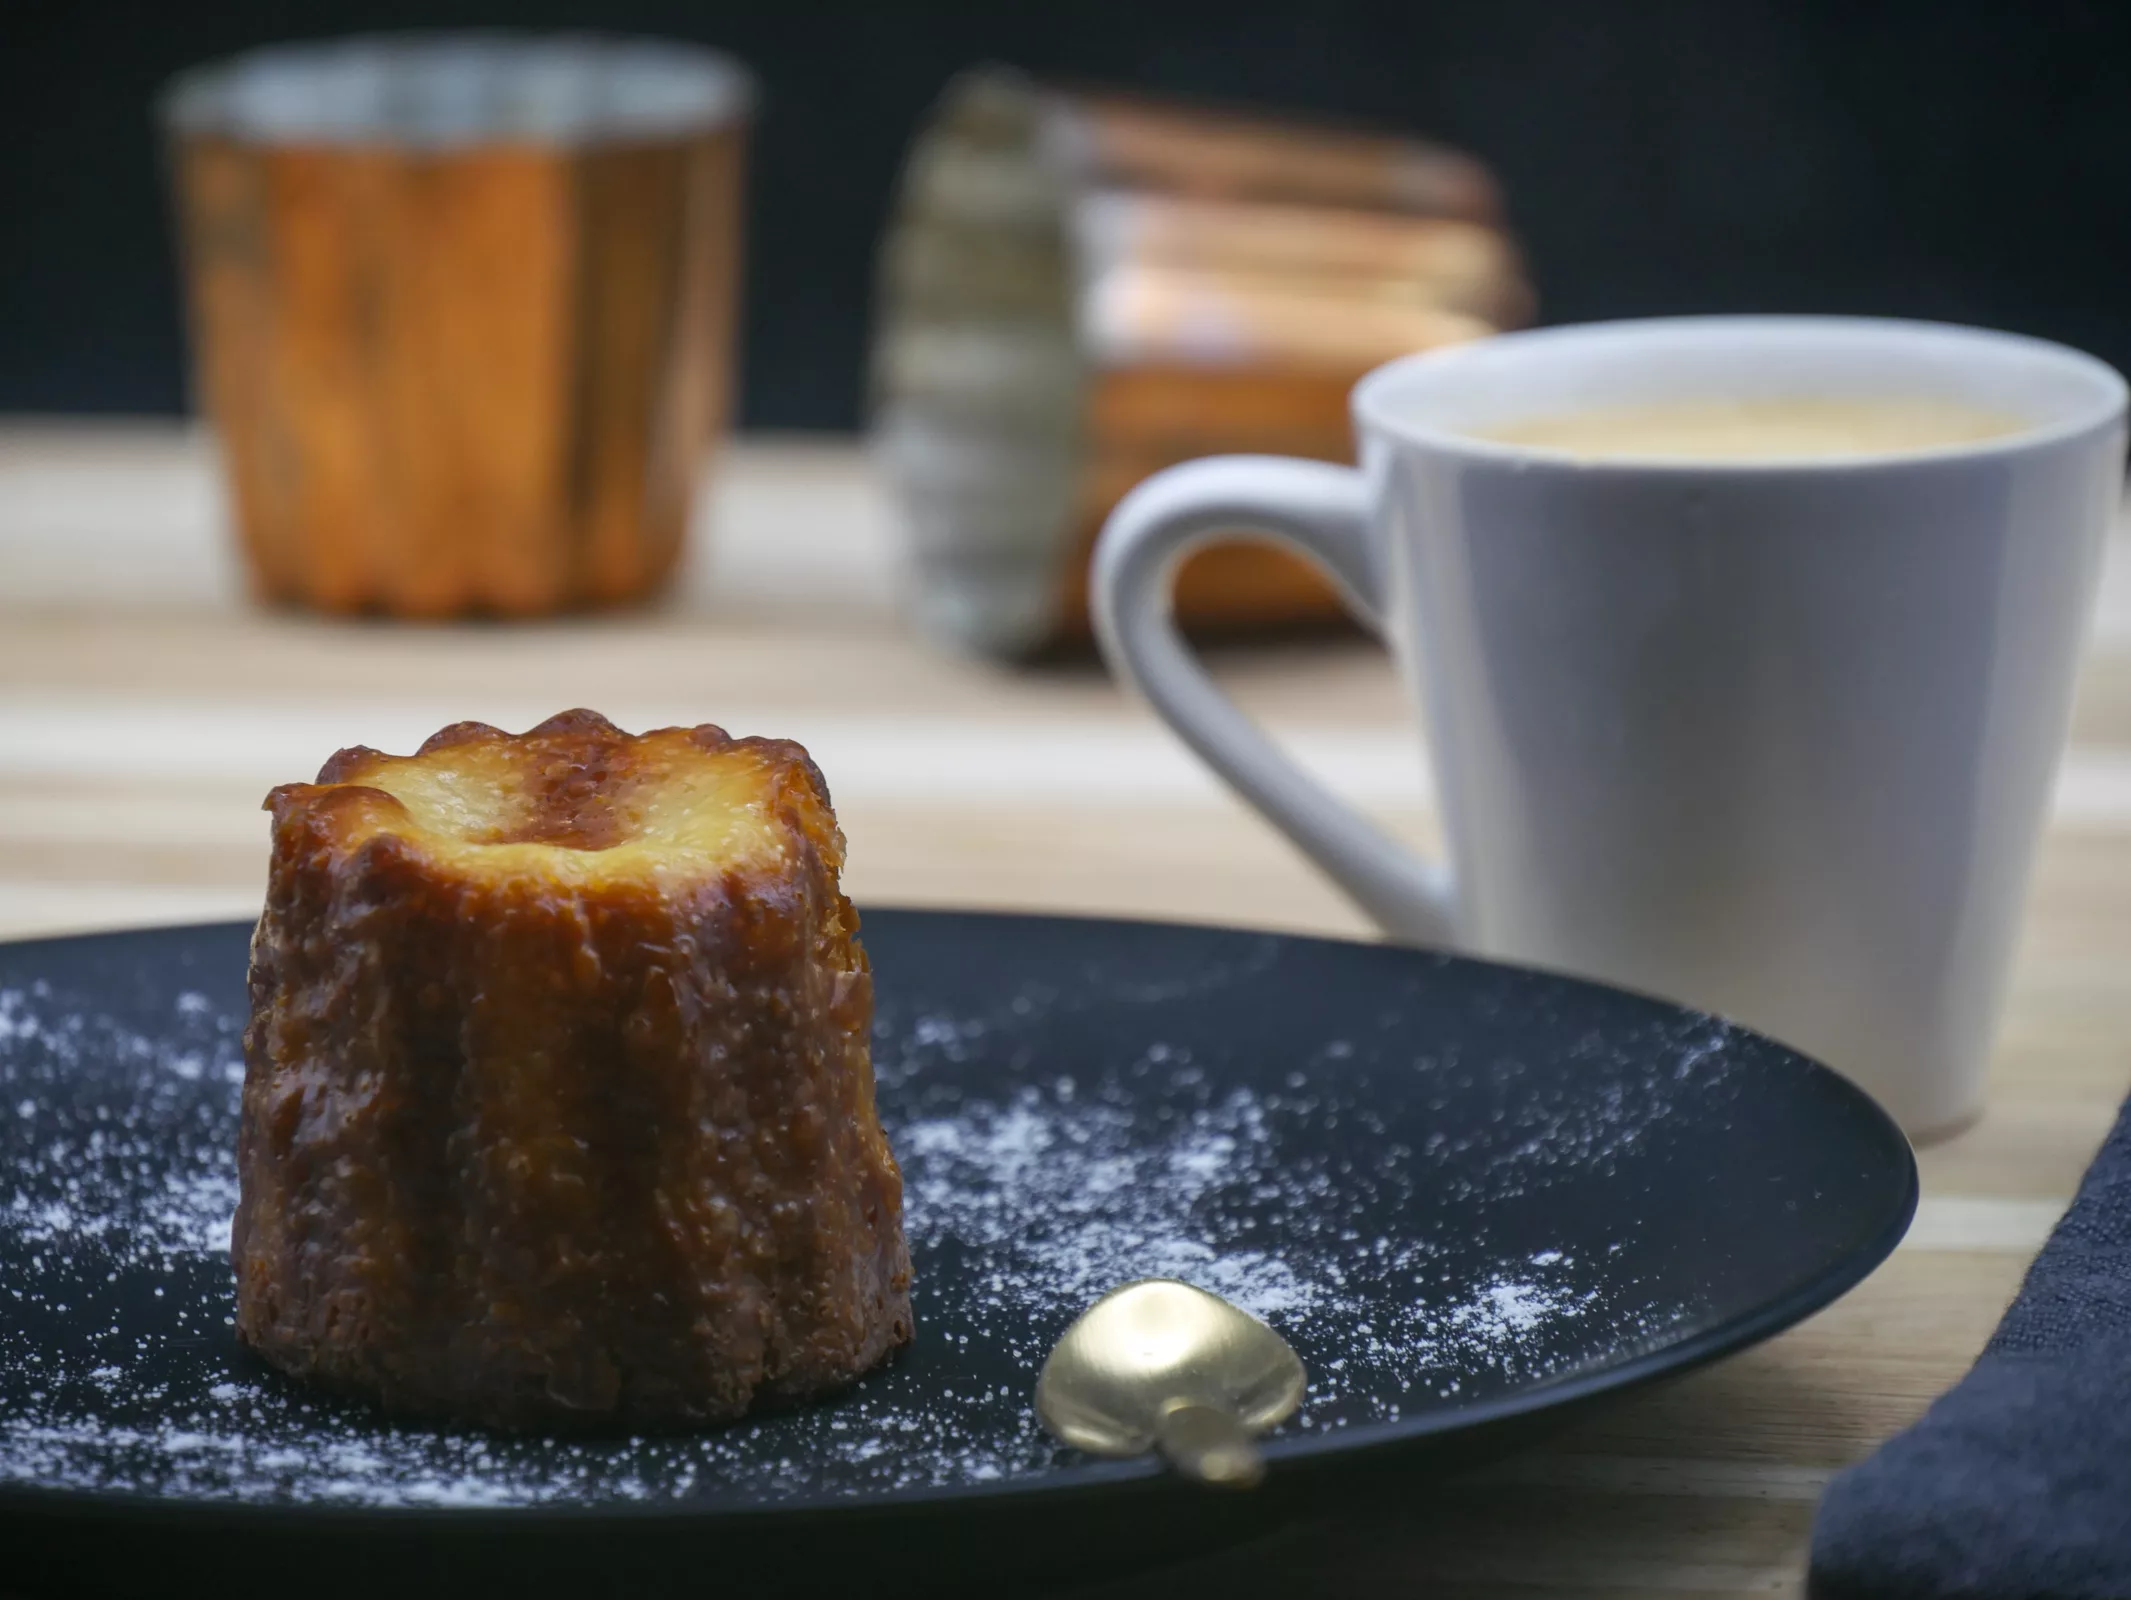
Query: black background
[{"x": 1964, "y": 161}]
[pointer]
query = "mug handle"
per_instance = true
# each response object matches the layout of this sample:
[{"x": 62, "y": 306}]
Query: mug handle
[{"x": 1321, "y": 511}]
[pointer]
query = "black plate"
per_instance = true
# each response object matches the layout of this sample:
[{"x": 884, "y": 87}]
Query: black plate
[{"x": 1469, "y": 1195}]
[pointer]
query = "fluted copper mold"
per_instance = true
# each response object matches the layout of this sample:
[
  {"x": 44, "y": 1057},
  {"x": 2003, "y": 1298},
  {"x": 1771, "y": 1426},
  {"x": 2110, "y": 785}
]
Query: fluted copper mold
[
  {"x": 462, "y": 311},
  {"x": 558, "y": 1101},
  {"x": 1078, "y": 289}
]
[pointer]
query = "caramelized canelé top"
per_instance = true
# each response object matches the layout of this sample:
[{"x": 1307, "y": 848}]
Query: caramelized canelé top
[{"x": 574, "y": 799}]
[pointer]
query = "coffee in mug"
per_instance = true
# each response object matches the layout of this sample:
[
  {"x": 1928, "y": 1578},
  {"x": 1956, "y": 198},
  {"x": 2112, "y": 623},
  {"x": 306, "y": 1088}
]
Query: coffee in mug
[{"x": 1779, "y": 429}]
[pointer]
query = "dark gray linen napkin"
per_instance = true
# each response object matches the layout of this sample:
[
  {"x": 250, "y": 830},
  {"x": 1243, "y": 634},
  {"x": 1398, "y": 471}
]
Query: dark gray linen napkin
[{"x": 2016, "y": 1485}]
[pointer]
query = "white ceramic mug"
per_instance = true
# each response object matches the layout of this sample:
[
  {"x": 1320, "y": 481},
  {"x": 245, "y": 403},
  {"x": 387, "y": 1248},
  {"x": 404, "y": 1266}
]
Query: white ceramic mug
[{"x": 1774, "y": 738}]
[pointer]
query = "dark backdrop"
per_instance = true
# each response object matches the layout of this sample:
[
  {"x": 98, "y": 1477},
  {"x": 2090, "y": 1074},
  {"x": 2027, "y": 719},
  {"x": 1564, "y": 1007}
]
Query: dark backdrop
[{"x": 1929, "y": 159}]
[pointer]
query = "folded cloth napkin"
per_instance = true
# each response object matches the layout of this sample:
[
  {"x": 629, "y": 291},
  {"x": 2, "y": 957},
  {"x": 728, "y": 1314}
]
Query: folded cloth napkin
[{"x": 2016, "y": 1485}]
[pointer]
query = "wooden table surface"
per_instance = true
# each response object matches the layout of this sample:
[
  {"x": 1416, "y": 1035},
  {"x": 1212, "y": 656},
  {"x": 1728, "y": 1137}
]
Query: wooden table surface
[{"x": 145, "y": 709}]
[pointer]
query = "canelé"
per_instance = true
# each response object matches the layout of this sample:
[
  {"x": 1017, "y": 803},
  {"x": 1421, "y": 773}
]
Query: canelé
[{"x": 558, "y": 1100}]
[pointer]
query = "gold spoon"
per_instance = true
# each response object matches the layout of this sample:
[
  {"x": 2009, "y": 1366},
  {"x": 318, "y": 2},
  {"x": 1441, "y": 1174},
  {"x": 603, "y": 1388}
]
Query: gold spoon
[{"x": 1160, "y": 1364}]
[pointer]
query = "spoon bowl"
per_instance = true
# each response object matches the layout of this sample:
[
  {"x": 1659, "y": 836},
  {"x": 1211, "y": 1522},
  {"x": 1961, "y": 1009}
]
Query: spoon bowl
[{"x": 1159, "y": 1364}]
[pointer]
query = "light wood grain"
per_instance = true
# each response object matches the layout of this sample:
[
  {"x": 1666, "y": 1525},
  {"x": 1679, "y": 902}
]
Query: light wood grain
[{"x": 144, "y": 710}]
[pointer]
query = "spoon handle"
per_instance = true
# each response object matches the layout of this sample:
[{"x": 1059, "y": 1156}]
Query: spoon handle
[{"x": 1209, "y": 1445}]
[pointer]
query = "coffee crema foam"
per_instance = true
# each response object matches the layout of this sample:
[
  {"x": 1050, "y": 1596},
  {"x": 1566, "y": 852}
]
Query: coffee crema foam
[{"x": 1757, "y": 430}]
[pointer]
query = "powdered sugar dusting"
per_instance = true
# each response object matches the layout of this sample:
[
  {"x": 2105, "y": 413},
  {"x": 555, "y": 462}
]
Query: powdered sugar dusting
[
  {"x": 75, "y": 1181},
  {"x": 1030, "y": 1191},
  {"x": 1113, "y": 1204}
]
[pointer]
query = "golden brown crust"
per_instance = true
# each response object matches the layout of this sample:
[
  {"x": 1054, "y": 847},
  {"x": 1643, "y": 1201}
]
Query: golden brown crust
[{"x": 553, "y": 1108}]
